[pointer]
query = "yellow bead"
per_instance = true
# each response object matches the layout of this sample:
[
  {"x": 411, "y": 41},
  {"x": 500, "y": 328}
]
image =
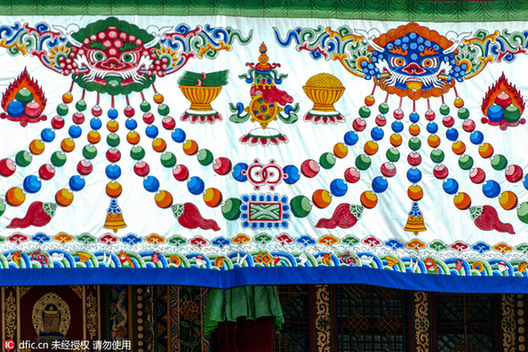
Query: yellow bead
[
  {"x": 459, "y": 147},
  {"x": 67, "y": 98},
  {"x": 15, "y": 196},
  {"x": 163, "y": 199},
  {"x": 415, "y": 192},
  {"x": 212, "y": 197},
  {"x": 414, "y": 130},
  {"x": 321, "y": 198},
  {"x": 114, "y": 189},
  {"x": 508, "y": 200},
  {"x": 67, "y": 145},
  {"x": 36, "y": 147},
  {"x": 112, "y": 125},
  {"x": 133, "y": 137},
  {"x": 371, "y": 147},
  {"x": 369, "y": 100},
  {"x": 462, "y": 201},
  {"x": 486, "y": 150},
  {"x": 433, "y": 141},
  {"x": 395, "y": 140},
  {"x": 190, "y": 147},
  {"x": 159, "y": 145},
  {"x": 64, "y": 197},
  {"x": 368, "y": 199},
  {"x": 340, "y": 150},
  {"x": 94, "y": 137},
  {"x": 459, "y": 102},
  {"x": 158, "y": 98}
]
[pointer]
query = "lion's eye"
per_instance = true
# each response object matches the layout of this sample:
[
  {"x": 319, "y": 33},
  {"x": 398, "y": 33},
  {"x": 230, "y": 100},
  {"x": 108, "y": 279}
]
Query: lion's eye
[
  {"x": 430, "y": 63},
  {"x": 397, "y": 61}
]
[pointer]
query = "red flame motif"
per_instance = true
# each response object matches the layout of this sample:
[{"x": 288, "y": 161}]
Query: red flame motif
[
  {"x": 35, "y": 216},
  {"x": 191, "y": 219},
  {"x": 489, "y": 220},
  {"x": 342, "y": 218},
  {"x": 502, "y": 85}
]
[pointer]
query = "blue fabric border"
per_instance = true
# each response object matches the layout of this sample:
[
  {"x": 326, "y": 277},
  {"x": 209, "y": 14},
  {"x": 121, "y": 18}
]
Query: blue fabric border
[{"x": 262, "y": 276}]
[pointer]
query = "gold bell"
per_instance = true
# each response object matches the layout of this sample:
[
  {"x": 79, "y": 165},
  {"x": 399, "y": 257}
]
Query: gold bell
[
  {"x": 415, "y": 222},
  {"x": 114, "y": 217}
]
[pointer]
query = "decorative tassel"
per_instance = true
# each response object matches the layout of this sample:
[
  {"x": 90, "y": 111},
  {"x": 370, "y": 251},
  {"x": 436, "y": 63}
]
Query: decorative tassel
[
  {"x": 345, "y": 216},
  {"x": 189, "y": 217},
  {"x": 487, "y": 219},
  {"x": 415, "y": 221},
  {"x": 38, "y": 214}
]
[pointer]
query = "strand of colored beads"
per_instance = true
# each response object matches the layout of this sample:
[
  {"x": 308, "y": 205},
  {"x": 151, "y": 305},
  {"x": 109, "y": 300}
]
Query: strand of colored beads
[{"x": 113, "y": 155}]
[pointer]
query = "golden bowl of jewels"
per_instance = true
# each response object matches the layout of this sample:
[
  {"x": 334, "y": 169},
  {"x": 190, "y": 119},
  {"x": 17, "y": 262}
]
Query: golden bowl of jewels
[
  {"x": 324, "y": 90},
  {"x": 201, "y": 98}
]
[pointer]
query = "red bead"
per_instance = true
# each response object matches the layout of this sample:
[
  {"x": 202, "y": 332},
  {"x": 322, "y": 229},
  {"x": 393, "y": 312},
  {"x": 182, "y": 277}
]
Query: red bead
[
  {"x": 57, "y": 122},
  {"x": 97, "y": 111},
  {"x": 514, "y": 173},
  {"x": 503, "y": 100},
  {"x": 222, "y": 166},
  {"x": 309, "y": 168},
  {"x": 46, "y": 172},
  {"x": 381, "y": 120},
  {"x": 84, "y": 167},
  {"x": 477, "y": 175},
  {"x": 129, "y": 111},
  {"x": 168, "y": 123},
  {"x": 148, "y": 118},
  {"x": 141, "y": 169},
  {"x": 113, "y": 155},
  {"x": 440, "y": 171},
  {"x": 7, "y": 167},
  {"x": 448, "y": 121},
  {"x": 78, "y": 118},
  {"x": 352, "y": 175},
  {"x": 398, "y": 114},
  {"x": 468, "y": 126},
  {"x": 359, "y": 124},
  {"x": 430, "y": 115},
  {"x": 180, "y": 172},
  {"x": 388, "y": 169},
  {"x": 414, "y": 158}
]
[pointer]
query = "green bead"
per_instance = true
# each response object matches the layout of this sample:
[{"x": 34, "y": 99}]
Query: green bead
[
  {"x": 363, "y": 162},
  {"x": 113, "y": 140},
  {"x": 465, "y": 162},
  {"x": 364, "y": 111},
  {"x": 89, "y": 152},
  {"x": 62, "y": 109},
  {"x": 327, "y": 160},
  {"x": 437, "y": 156},
  {"x": 231, "y": 208},
  {"x": 414, "y": 143},
  {"x": 205, "y": 157},
  {"x": 463, "y": 113},
  {"x": 58, "y": 159},
  {"x": 444, "y": 109},
  {"x": 499, "y": 162},
  {"x": 168, "y": 159},
  {"x": 113, "y": 86},
  {"x": 522, "y": 212},
  {"x": 383, "y": 108},
  {"x": 300, "y": 206},
  {"x": 163, "y": 109},
  {"x": 2, "y": 207},
  {"x": 81, "y": 105},
  {"x": 393, "y": 154},
  {"x": 512, "y": 113},
  {"x": 23, "y": 158},
  {"x": 137, "y": 152},
  {"x": 145, "y": 106},
  {"x": 24, "y": 96}
]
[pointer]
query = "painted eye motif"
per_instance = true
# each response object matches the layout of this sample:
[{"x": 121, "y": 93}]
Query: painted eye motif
[
  {"x": 430, "y": 63},
  {"x": 397, "y": 61},
  {"x": 97, "y": 56},
  {"x": 127, "y": 57}
]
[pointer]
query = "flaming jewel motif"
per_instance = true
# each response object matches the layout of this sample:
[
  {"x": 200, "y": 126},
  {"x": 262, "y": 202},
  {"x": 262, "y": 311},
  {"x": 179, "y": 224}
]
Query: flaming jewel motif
[{"x": 503, "y": 105}]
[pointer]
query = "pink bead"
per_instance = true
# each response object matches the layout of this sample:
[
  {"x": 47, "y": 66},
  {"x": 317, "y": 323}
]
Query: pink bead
[
  {"x": 430, "y": 115},
  {"x": 359, "y": 124},
  {"x": 7, "y": 167},
  {"x": 222, "y": 166},
  {"x": 141, "y": 169},
  {"x": 477, "y": 175},
  {"x": 440, "y": 171},
  {"x": 514, "y": 173},
  {"x": 46, "y": 172},
  {"x": 309, "y": 168},
  {"x": 381, "y": 120},
  {"x": 388, "y": 169},
  {"x": 468, "y": 125},
  {"x": 448, "y": 121},
  {"x": 84, "y": 167},
  {"x": 97, "y": 111},
  {"x": 180, "y": 172},
  {"x": 168, "y": 123},
  {"x": 414, "y": 158},
  {"x": 78, "y": 118},
  {"x": 398, "y": 114},
  {"x": 352, "y": 175},
  {"x": 148, "y": 118}
]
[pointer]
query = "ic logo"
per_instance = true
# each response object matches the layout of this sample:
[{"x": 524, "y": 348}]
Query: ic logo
[{"x": 9, "y": 345}]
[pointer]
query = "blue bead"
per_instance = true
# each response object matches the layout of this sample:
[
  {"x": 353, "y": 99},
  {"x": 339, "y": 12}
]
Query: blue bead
[
  {"x": 432, "y": 127},
  {"x": 452, "y": 134},
  {"x": 75, "y": 131},
  {"x": 131, "y": 124},
  {"x": 491, "y": 189},
  {"x": 376, "y": 134},
  {"x": 196, "y": 185},
  {"x": 450, "y": 186},
  {"x": 379, "y": 184},
  {"x": 476, "y": 137},
  {"x": 95, "y": 123},
  {"x": 112, "y": 113},
  {"x": 414, "y": 117},
  {"x": 151, "y": 131},
  {"x": 414, "y": 175},
  {"x": 32, "y": 184},
  {"x": 77, "y": 183},
  {"x": 15, "y": 109},
  {"x": 47, "y": 135},
  {"x": 237, "y": 172},
  {"x": 338, "y": 187},
  {"x": 351, "y": 138},
  {"x": 178, "y": 135},
  {"x": 397, "y": 126},
  {"x": 151, "y": 184},
  {"x": 293, "y": 174},
  {"x": 113, "y": 172},
  {"x": 495, "y": 113}
]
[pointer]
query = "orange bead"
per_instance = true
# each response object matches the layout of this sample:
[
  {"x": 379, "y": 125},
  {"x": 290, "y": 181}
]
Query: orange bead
[
  {"x": 459, "y": 147},
  {"x": 36, "y": 147},
  {"x": 112, "y": 125},
  {"x": 63, "y": 197},
  {"x": 395, "y": 140},
  {"x": 163, "y": 199},
  {"x": 113, "y": 189},
  {"x": 368, "y": 199},
  {"x": 340, "y": 150},
  {"x": 414, "y": 130},
  {"x": 433, "y": 141},
  {"x": 486, "y": 150},
  {"x": 159, "y": 145},
  {"x": 459, "y": 102},
  {"x": 462, "y": 201},
  {"x": 94, "y": 137},
  {"x": 371, "y": 147},
  {"x": 133, "y": 137},
  {"x": 15, "y": 196},
  {"x": 369, "y": 100},
  {"x": 415, "y": 192},
  {"x": 212, "y": 197},
  {"x": 67, "y": 145},
  {"x": 190, "y": 147},
  {"x": 158, "y": 98},
  {"x": 508, "y": 200},
  {"x": 321, "y": 198},
  {"x": 67, "y": 98}
]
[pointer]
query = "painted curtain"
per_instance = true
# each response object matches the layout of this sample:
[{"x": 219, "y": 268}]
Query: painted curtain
[{"x": 221, "y": 145}]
